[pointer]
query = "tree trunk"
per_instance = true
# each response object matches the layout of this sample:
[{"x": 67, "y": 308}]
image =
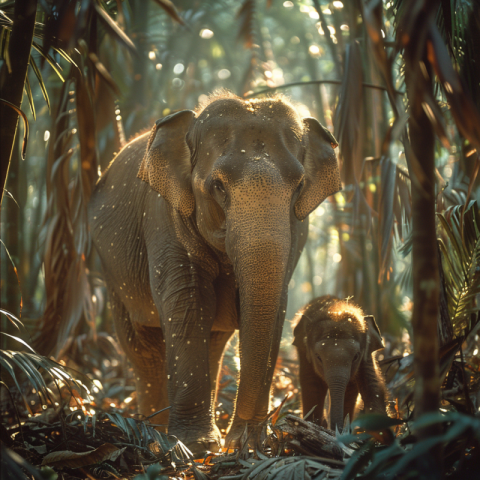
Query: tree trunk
[
  {"x": 12, "y": 83},
  {"x": 424, "y": 252}
]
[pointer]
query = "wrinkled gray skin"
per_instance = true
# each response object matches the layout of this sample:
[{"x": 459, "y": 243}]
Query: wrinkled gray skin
[
  {"x": 335, "y": 343},
  {"x": 204, "y": 241}
]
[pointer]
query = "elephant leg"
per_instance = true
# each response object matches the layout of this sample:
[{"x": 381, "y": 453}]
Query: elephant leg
[
  {"x": 371, "y": 386},
  {"x": 185, "y": 299},
  {"x": 218, "y": 340},
  {"x": 145, "y": 348},
  {"x": 351, "y": 395}
]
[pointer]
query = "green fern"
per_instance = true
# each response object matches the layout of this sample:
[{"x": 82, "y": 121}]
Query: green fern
[{"x": 461, "y": 262}]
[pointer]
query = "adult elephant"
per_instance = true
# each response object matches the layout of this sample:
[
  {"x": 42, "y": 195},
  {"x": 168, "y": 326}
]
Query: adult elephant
[{"x": 199, "y": 226}]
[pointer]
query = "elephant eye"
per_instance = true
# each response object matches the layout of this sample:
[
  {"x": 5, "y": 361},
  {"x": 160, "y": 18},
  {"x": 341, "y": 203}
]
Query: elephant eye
[
  {"x": 218, "y": 185},
  {"x": 356, "y": 357}
]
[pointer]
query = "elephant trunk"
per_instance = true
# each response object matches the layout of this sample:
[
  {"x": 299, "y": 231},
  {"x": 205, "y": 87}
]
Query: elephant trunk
[
  {"x": 260, "y": 263},
  {"x": 337, "y": 386}
]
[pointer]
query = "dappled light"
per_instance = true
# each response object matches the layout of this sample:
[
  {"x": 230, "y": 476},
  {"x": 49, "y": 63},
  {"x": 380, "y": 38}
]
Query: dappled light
[{"x": 239, "y": 239}]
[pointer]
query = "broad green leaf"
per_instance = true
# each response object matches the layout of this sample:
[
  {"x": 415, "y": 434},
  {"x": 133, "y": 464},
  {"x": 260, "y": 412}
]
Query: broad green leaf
[{"x": 375, "y": 422}]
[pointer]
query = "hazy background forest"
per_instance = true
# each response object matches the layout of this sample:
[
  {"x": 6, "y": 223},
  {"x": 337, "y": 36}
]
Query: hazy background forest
[{"x": 101, "y": 72}]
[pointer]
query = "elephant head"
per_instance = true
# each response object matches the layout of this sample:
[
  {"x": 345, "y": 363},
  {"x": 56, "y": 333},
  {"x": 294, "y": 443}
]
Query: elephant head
[
  {"x": 246, "y": 174},
  {"x": 339, "y": 341}
]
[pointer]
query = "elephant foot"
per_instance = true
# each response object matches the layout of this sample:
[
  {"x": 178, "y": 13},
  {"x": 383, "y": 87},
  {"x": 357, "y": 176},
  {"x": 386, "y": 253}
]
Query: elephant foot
[
  {"x": 198, "y": 442},
  {"x": 242, "y": 431},
  {"x": 200, "y": 449}
]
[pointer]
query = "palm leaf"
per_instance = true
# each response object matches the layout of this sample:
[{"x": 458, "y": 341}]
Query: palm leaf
[
  {"x": 28, "y": 91},
  {"x": 56, "y": 67},
  {"x": 4, "y": 41},
  {"x": 461, "y": 256},
  {"x": 12, "y": 318},
  {"x": 113, "y": 29},
  {"x": 170, "y": 9},
  {"x": 31, "y": 364},
  {"x": 38, "y": 74}
]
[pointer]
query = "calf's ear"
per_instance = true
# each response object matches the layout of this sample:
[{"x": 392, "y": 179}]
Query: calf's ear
[
  {"x": 374, "y": 337},
  {"x": 300, "y": 333},
  {"x": 322, "y": 175},
  {"x": 166, "y": 166}
]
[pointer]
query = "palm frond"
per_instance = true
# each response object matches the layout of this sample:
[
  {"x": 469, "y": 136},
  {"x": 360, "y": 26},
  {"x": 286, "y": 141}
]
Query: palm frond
[
  {"x": 461, "y": 255},
  {"x": 348, "y": 119},
  {"x": 41, "y": 83},
  {"x": 35, "y": 368},
  {"x": 28, "y": 91},
  {"x": 170, "y": 9}
]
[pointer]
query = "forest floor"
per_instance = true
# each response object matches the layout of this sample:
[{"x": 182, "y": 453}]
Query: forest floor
[{"x": 89, "y": 428}]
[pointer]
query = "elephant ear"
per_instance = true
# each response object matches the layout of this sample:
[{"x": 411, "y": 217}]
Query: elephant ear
[
  {"x": 300, "y": 336},
  {"x": 166, "y": 166},
  {"x": 299, "y": 332},
  {"x": 322, "y": 175},
  {"x": 374, "y": 337}
]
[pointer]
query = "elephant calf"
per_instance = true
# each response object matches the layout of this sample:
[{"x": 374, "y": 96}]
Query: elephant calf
[{"x": 335, "y": 342}]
